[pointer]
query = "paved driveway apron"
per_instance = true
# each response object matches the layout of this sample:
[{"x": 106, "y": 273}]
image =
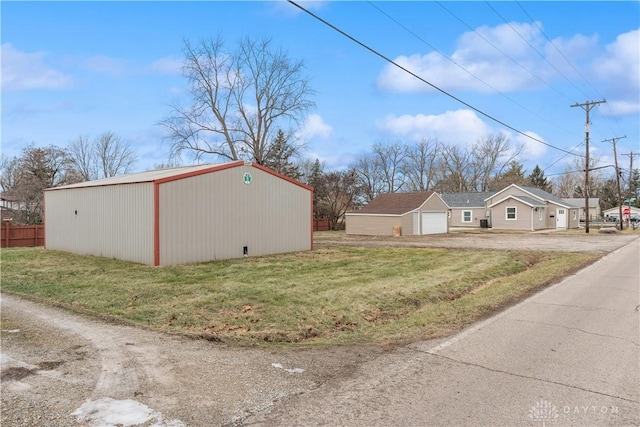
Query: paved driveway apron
[{"x": 566, "y": 356}]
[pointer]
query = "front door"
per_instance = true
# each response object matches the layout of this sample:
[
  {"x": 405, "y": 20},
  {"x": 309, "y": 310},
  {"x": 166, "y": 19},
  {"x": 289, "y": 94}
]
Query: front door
[{"x": 561, "y": 218}]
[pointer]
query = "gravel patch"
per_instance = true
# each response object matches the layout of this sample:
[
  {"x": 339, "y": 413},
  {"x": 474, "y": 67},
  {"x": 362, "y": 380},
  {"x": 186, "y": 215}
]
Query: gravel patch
[{"x": 60, "y": 369}]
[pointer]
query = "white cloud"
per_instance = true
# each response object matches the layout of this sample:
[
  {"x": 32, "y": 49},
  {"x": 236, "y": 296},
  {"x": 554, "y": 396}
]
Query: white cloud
[
  {"x": 314, "y": 127},
  {"x": 532, "y": 149},
  {"x": 457, "y": 127},
  {"x": 478, "y": 63},
  {"x": 167, "y": 65},
  {"x": 496, "y": 58},
  {"x": 284, "y": 8},
  {"x": 22, "y": 71},
  {"x": 620, "y": 108},
  {"x": 620, "y": 67},
  {"x": 113, "y": 67}
]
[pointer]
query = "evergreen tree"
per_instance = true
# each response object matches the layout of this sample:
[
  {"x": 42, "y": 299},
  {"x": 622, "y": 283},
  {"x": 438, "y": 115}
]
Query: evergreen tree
[
  {"x": 279, "y": 154},
  {"x": 513, "y": 175},
  {"x": 538, "y": 179}
]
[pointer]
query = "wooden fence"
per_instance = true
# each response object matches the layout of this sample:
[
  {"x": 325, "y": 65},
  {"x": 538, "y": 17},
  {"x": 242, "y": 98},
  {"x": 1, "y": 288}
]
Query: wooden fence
[
  {"x": 14, "y": 236},
  {"x": 321, "y": 225}
]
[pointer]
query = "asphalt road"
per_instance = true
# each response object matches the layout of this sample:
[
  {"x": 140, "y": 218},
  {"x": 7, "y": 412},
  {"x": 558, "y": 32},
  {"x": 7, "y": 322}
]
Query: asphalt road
[{"x": 566, "y": 356}]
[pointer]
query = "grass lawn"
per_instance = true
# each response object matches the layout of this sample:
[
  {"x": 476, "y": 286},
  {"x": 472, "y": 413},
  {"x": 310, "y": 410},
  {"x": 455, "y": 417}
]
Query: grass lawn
[{"x": 339, "y": 295}]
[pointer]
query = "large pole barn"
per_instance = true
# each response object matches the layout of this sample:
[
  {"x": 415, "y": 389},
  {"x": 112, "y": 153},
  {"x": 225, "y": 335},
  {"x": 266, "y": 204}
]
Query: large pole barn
[{"x": 182, "y": 215}]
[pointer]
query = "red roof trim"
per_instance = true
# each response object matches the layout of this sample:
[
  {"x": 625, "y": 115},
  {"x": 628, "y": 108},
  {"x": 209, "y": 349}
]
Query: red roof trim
[
  {"x": 281, "y": 176},
  {"x": 199, "y": 172}
]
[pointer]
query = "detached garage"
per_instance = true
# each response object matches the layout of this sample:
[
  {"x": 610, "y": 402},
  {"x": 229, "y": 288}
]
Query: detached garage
[
  {"x": 182, "y": 215},
  {"x": 400, "y": 213}
]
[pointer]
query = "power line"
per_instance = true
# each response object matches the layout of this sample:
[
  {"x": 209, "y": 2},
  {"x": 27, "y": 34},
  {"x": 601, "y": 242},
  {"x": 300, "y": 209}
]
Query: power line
[
  {"x": 375, "y": 52},
  {"x": 564, "y": 57},
  {"x": 535, "y": 49},
  {"x": 463, "y": 68},
  {"x": 502, "y": 52},
  {"x": 565, "y": 155}
]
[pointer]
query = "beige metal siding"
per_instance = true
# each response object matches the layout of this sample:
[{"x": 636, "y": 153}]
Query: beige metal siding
[
  {"x": 509, "y": 191},
  {"x": 215, "y": 215},
  {"x": 539, "y": 218},
  {"x": 455, "y": 220},
  {"x": 574, "y": 218},
  {"x": 111, "y": 221},
  {"x": 406, "y": 225},
  {"x": 373, "y": 225},
  {"x": 434, "y": 204},
  {"x": 523, "y": 216}
]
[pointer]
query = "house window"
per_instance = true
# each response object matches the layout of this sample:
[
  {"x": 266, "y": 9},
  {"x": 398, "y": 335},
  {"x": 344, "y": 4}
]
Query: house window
[
  {"x": 466, "y": 216},
  {"x": 540, "y": 210},
  {"x": 511, "y": 213},
  {"x": 574, "y": 215}
]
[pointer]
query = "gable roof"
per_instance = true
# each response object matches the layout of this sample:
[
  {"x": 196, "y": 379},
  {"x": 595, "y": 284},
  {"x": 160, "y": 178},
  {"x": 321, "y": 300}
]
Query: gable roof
[
  {"x": 539, "y": 194},
  {"x": 534, "y": 203},
  {"x": 579, "y": 202},
  {"x": 466, "y": 200},
  {"x": 160, "y": 176},
  {"x": 395, "y": 203}
]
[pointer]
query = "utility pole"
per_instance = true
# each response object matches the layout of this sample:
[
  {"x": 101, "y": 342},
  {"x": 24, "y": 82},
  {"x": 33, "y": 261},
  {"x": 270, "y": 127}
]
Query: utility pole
[
  {"x": 587, "y": 106},
  {"x": 615, "y": 158},
  {"x": 631, "y": 190}
]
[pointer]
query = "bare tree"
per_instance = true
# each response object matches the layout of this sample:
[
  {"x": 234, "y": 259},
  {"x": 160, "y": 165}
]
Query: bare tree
[
  {"x": 421, "y": 164},
  {"x": 239, "y": 98},
  {"x": 83, "y": 158},
  {"x": 106, "y": 156},
  {"x": 567, "y": 184},
  {"x": 340, "y": 189},
  {"x": 455, "y": 166},
  {"x": 112, "y": 156},
  {"x": 25, "y": 178},
  {"x": 370, "y": 176},
  {"x": 489, "y": 158},
  {"x": 391, "y": 157},
  {"x": 382, "y": 170}
]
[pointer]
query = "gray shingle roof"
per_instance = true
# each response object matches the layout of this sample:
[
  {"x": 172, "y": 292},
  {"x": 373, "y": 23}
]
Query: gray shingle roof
[
  {"x": 395, "y": 203},
  {"x": 529, "y": 201},
  {"x": 466, "y": 200}
]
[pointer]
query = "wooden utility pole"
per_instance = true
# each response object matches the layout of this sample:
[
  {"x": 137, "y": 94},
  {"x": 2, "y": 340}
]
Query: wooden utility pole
[
  {"x": 587, "y": 106},
  {"x": 618, "y": 172},
  {"x": 631, "y": 189}
]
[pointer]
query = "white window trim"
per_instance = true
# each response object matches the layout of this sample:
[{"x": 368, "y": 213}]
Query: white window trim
[
  {"x": 470, "y": 216},
  {"x": 515, "y": 213},
  {"x": 540, "y": 210}
]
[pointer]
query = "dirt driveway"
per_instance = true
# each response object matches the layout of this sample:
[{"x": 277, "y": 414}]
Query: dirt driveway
[{"x": 62, "y": 369}]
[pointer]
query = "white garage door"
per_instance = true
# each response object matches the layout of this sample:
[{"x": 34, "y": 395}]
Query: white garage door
[{"x": 434, "y": 222}]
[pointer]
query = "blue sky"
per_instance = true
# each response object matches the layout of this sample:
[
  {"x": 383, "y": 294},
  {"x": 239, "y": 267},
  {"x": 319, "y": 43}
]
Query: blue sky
[{"x": 83, "y": 68}]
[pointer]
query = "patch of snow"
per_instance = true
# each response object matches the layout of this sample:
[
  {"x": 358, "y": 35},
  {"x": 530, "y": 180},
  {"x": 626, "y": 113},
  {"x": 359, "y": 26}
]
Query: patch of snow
[
  {"x": 11, "y": 331},
  {"x": 108, "y": 412},
  {"x": 291, "y": 371},
  {"x": 7, "y": 362}
]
